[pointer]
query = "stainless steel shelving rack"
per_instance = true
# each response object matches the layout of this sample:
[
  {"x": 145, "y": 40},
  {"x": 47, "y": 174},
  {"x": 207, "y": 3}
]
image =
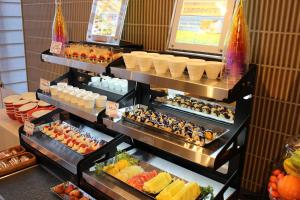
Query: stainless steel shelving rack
[{"x": 221, "y": 161}]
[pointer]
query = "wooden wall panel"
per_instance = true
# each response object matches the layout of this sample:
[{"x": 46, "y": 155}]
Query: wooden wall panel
[{"x": 274, "y": 29}]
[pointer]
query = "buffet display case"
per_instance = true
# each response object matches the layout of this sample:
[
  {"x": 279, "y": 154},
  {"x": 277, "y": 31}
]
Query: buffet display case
[
  {"x": 81, "y": 81},
  {"x": 214, "y": 158},
  {"x": 196, "y": 137}
]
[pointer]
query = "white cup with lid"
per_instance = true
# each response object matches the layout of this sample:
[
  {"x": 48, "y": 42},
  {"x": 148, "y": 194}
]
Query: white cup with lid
[
  {"x": 88, "y": 102},
  {"x": 101, "y": 101},
  {"x": 53, "y": 90}
]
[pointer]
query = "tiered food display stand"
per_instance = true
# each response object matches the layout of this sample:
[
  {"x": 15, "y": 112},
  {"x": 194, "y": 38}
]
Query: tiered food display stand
[{"x": 218, "y": 164}]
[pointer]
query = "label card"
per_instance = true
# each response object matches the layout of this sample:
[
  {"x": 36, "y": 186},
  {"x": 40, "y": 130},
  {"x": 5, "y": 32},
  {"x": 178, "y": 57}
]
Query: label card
[
  {"x": 112, "y": 109},
  {"x": 55, "y": 47},
  {"x": 45, "y": 85},
  {"x": 29, "y": 127},
  {"x": 173, "y": 93},
  {"x": 56, "y": 117}
]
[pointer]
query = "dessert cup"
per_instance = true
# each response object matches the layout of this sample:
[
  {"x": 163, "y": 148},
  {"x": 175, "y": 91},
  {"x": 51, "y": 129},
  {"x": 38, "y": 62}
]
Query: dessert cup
[
  {"x": 124, "y": 85},
  {"x": 88, "y": 102},
  {"x": 101, "y": 101},
  {"x": 53, "y": 90}
]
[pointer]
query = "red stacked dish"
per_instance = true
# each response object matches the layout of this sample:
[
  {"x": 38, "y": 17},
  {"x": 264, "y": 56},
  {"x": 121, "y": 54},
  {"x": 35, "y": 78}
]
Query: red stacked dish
[
  {"x": 24, "y": 109},
  {"x": 38, "y": 112},
  {"x": 8, "y": 103},
  {"x": 17, "y": 105}
]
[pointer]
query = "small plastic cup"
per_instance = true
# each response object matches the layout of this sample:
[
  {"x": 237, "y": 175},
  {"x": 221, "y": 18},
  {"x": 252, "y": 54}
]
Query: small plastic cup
[
  {"x": 196, "y": 69},
  {"x": 213, "y": 69},
  {"x": 144, "y": 62},
  {"x": 161, "y": 64},
  {"x": 177, "y": 67}
]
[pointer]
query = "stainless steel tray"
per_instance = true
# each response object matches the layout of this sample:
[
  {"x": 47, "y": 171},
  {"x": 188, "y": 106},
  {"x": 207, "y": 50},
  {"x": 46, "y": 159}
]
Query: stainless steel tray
[
  {"x": 201, "y": 113},
  {"x": 147, "y": 167},
  {"x": 218, "y": 131},
  {"x": 66, "y": 197}
]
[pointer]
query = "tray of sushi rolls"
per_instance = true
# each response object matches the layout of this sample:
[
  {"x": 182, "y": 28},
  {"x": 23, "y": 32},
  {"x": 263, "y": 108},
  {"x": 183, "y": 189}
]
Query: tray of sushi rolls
[
  {"x": 200, "y": 107},
  {"x": 74, "y": 138},
  {"x": 149, "y": 180},
  {"x": 197, "y": 134}
]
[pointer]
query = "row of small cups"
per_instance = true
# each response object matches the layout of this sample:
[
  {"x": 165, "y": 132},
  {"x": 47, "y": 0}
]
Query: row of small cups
[
  {"x": 163, "y": 62},
  {"x": 76, "y": 96},
  {"x": 114, "y": 84}
]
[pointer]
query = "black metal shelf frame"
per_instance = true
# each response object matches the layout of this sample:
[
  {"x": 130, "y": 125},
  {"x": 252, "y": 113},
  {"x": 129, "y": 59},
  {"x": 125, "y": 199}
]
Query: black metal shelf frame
[{"x": 230, "y": 148}]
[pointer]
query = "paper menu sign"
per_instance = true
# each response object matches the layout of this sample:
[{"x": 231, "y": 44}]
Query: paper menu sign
[
  {"x": 56, "y": 47},
  {"x": 29, "y": 127},
  {"x": 45, "y": 85},
  {"x": 112, "y": 109},
  {"x": 173, "y": 93}
]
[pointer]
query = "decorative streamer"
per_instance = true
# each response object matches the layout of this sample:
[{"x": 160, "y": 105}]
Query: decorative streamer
[
  {"x": 59, "y": 30},
  {"x": 237, "y": 44}
]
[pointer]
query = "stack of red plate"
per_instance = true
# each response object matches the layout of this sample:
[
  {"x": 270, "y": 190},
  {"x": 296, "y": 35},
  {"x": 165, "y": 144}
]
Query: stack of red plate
[
  {"x": 8, "y": 103},
  {"x": 38, "y": 112},
  {"x": 28, "y": 96},
  {"x": 17, "y": 105},
  {"x": 43, "y": 104},
  {"x": 24, "y": 109}
]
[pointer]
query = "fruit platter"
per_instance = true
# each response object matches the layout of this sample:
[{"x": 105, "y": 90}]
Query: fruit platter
[
  {"x": 149, "y": 180},
  {"x": 200, "y": 107},
  {"x": 284, "y": 182},
  {"x": 72, "y": 137},
  {"x": 198, "y": 134},
  {"x": 70, "y": 191}
]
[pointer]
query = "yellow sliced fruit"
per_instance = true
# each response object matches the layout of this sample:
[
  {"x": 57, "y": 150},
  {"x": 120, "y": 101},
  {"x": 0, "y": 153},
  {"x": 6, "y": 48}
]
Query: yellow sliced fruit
[
  {"x": 190, "y": 192},
  {"x": 158, "y": 183},
  {"x": 122, "y": 164},
  {"x": 170, "y": 190},
  {"x": 129, "y": 172}
]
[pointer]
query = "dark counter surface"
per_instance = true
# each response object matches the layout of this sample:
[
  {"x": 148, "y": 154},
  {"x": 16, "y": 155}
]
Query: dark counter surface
[{"x": 33, "y": 183}]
